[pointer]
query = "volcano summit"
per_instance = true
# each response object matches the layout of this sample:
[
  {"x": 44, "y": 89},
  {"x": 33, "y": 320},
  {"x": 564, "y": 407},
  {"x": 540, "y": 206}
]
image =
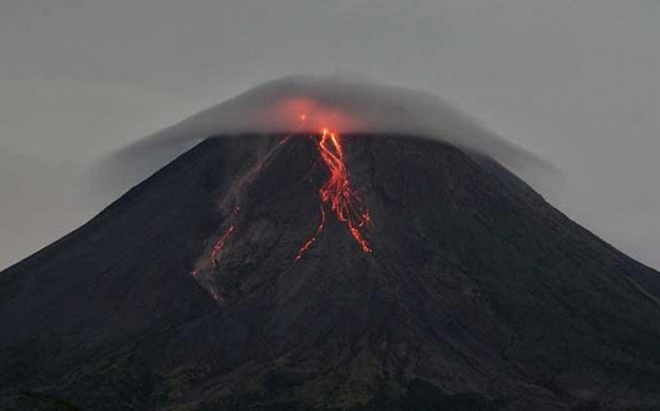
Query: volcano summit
[{"x": 330, "y": 271}]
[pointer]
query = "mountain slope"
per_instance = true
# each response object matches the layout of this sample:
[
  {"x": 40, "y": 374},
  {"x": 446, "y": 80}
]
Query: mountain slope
[{"x": 477, "y": 294}]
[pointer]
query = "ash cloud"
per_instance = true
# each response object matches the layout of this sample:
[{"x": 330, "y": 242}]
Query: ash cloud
[{"x": 309, "y": 103}]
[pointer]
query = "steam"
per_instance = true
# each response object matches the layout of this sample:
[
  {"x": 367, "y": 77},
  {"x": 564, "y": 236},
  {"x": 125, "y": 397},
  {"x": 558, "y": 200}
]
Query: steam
[{"x": 308, "y": 103}]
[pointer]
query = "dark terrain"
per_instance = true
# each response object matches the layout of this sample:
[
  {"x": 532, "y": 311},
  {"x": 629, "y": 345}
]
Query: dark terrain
[{"x": 478, "y": 295}]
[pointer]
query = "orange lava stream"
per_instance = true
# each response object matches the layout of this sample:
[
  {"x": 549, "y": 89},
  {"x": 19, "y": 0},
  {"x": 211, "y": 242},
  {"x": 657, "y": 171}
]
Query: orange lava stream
[
  {"x": 338, "y": 194},
  {"x": 219, "y": 245},
  {"x": 308, "y": 243}
]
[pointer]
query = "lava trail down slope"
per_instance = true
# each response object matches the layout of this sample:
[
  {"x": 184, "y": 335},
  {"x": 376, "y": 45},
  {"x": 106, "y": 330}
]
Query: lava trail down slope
[{"x": 352, "y": 272}]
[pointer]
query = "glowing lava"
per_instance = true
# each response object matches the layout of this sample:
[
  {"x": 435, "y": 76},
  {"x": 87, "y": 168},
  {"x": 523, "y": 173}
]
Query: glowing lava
[
  {"x": 217, "y": 247},
  {"x": 220, "y": 245},
  {"x": 338, "y": 194},
  {"x": 308, "y": 243}
]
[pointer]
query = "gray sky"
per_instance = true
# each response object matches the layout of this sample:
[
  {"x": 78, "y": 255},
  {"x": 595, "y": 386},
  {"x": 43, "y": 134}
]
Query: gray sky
[{"x": 573, "y": 81}]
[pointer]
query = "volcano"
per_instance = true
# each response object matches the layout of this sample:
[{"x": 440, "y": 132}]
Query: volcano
[{"x": 315, "y": 271}]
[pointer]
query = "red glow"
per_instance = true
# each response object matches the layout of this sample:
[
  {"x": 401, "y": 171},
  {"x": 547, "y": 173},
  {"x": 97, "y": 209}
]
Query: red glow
[
  {"x": 219, "y": 245},
  {"x": 308, "y": 243},
  {"x": 337, "y": 192},
  {"x": 302, "y": 114}
]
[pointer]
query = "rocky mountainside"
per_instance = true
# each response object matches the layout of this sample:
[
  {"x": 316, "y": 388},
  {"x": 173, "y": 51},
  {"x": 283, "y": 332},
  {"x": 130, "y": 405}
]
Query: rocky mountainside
[{"x": 227, "y": 281}]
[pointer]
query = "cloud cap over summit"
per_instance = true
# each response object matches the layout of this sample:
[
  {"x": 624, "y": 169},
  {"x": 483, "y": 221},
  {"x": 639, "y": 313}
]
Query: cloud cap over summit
[{"x": 348, "y": 104}]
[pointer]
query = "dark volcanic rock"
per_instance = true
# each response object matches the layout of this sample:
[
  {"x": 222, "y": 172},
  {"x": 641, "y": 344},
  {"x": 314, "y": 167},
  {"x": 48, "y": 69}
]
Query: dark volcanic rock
[{"x": 478, "y": 294}]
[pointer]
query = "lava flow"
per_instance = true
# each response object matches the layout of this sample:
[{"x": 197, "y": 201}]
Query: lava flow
[
  {"x": 219, "y": 245},
  {"x": 338, "y": 194}
]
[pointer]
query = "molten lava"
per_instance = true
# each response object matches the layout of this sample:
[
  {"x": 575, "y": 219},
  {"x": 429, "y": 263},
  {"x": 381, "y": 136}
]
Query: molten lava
[
  {"x": 338, "y": 194},
  {"x": 308, "y": 243},
  {"x": 220, "y": 245},
  {"x": 217, "y": 247}
]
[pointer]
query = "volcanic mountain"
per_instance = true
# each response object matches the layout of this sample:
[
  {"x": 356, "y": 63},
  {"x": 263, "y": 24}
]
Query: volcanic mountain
[{"x": 333, "y": 272}]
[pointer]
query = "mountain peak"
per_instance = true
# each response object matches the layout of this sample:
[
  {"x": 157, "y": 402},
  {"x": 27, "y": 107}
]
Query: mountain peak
[{"x": 219, "y": 284}]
